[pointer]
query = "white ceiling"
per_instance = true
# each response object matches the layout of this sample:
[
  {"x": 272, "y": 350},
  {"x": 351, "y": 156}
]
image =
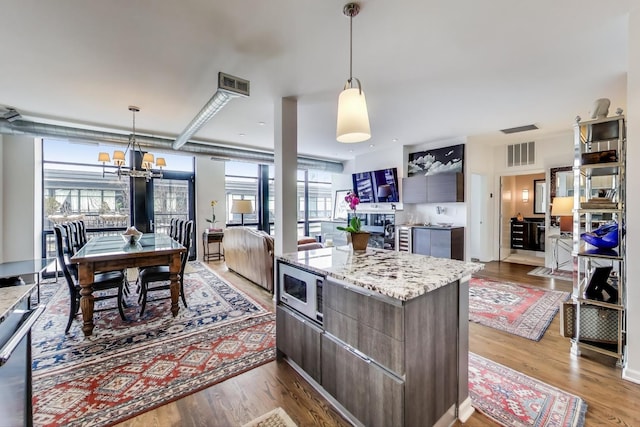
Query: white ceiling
[{"x": 431, "y": 70}]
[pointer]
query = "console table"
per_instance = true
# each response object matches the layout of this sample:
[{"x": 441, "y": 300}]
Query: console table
[{"x": 209, "y": 237}]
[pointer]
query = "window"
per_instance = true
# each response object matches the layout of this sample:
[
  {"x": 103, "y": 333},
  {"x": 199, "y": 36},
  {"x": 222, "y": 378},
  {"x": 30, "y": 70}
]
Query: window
[
  {"x": 76, "y": 186},
  {"x": 243, "y": 180}
]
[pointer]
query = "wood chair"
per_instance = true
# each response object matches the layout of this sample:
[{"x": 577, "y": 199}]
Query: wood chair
[
  {"x": 160, "y": 273},
  {"x": 102, "y": 281},
  {"x": 172, "y": 228}
]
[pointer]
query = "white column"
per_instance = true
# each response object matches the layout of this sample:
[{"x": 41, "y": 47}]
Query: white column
[
  {"x": 286, "y": 163},
  {"x": 631, "y": 371}
]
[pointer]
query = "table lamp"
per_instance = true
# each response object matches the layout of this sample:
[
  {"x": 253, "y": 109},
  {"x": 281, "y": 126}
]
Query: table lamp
[
  {"x": 563, "y": 207},
  {"x": 384, "y": 191},
  {"x": 242, "y": 207}
]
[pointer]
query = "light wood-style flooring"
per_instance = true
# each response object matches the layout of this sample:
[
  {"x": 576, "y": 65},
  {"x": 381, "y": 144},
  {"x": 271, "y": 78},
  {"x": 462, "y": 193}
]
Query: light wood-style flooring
[{"x": 611, "y": 400}]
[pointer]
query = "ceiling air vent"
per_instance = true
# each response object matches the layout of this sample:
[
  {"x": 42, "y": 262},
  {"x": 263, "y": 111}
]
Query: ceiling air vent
[
  {"x": 233, "y": 84},
  {"x": 521, "y": 154},
  {"x": 519, "y": 129}
]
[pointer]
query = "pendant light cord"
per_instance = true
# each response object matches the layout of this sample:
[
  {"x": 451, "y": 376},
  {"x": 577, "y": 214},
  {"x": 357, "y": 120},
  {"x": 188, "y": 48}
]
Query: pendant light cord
[{"x": 351, "y": 49}]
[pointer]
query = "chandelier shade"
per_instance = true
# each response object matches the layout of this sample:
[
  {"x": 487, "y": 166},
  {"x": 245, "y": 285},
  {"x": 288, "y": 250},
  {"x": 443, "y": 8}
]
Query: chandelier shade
[
  {"x": 146, "y": 164},
  {"x": 353, "y": 116}
]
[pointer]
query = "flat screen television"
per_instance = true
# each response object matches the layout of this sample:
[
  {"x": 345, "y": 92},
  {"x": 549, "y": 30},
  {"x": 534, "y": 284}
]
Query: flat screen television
[{"x": 379, "y": 186}]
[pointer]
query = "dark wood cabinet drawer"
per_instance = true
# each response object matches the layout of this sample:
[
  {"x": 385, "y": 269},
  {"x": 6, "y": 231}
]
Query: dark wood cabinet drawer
[
  {"x": 367, "y": 391},
  {"x": 299, "y": 339}
]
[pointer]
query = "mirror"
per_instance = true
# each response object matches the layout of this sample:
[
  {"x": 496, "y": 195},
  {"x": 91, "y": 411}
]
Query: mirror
[
  {"x": 561, "y": 182},
  {"x": 539, "y": 196}
]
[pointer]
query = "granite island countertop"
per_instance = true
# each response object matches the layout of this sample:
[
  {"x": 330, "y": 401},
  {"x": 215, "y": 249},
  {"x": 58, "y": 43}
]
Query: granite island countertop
[
  {"x": 399, "y": 275},
  {"x": 11, "y": 296}
]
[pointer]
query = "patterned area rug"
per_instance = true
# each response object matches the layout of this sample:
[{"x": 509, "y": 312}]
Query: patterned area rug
[
  {"x": 547, "y": 272},
  {"x": 276, "y": 418},
  {"x": 516, "y": 400},
  {"x": 130, "y": 367},
  {"x": 513, "y": 308}
]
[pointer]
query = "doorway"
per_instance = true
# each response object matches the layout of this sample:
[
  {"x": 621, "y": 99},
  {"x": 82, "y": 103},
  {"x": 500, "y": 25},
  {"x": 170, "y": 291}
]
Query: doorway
[
  {"x": 155, "y": 202},
  {"x": 522, "y": 225}
]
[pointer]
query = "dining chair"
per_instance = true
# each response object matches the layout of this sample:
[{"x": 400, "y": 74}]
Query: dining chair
[
  {"x": 180, "y": 223},
  {"x": 172, "y": 228},
  {"x": 102, "y": 281},
  {"x": 161, "y": 273},
  {"x": 69, "y": 246},
  {"x": 82, "y": 233}
]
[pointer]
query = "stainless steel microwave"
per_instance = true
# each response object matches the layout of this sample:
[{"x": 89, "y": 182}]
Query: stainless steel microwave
[{"x": 301, "y": 290}]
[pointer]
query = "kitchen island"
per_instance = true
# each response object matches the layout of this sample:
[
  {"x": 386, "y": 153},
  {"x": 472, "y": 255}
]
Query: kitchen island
[{"x": 390, "y": 343}]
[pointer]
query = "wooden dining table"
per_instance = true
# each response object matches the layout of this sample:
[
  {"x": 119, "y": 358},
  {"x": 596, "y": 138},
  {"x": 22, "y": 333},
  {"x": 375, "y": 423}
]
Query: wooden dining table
[{"x": 109, "y": 253}]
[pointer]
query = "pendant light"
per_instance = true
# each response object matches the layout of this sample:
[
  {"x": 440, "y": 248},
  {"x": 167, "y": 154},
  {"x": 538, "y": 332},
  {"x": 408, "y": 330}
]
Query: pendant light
[{"x": 353, "y": 118}]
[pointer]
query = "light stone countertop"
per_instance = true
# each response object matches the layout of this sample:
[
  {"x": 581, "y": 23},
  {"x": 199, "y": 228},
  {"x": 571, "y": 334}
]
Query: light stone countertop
[
  {"x": 399, "y": 275},
  {"x": 11, "y": 296}
]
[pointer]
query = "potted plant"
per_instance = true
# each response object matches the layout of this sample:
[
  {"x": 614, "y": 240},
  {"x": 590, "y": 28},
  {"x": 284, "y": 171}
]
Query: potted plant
[
  {"x": 359, "y": 238},
  {"x": 213, "y": 215}
]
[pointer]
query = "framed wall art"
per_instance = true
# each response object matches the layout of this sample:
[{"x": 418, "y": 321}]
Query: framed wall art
[{"x": 438, "y": 160}]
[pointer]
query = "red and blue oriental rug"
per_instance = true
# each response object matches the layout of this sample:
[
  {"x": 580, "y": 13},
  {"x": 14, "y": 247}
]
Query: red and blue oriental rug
[
  {"x": 514, "y": 308},
  {"x": 516, "y": 400},
  {"x": 127, "y": 368}
]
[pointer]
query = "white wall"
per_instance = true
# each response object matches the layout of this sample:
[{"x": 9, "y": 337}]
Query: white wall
[
  {"x": 1, "y": 198},
  {"x": 209, "y": 186},
  {"x": 21, "y": 188},
  {"x": 632, "y": 369}
]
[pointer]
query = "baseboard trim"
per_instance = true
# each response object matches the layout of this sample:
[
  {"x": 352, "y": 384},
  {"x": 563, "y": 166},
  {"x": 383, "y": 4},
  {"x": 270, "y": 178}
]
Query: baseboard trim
[
  {"x": 465, "y": 410},
  {"x": 631, "y": 375}
]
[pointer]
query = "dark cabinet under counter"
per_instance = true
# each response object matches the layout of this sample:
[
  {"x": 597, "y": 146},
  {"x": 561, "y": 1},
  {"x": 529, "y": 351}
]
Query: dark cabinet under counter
[
  {"x": 528, "y": 234},
  {"x": 440, "y": 242}
]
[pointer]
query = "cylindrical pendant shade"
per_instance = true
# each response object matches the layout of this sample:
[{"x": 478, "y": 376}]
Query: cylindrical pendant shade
[{"x": 353, "y": 117}]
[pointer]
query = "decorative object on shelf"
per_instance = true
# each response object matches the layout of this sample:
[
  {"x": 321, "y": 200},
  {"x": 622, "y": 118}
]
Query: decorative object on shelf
[
  {"x": 603, "y": 237},
  {"x": 599, "y": 288},
  {"x": 519, "y": 217},
  {"x": 242, "y": 207},
  {"x": 353, "y": 118},
  {"x": 358, "y": 238},
  {"x": 147, "y": 159},
  {"x": 213, "y": 212},
  {"x": 600, "y": 108}
]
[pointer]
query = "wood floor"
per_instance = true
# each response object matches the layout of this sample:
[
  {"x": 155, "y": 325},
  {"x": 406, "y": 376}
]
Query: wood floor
[{"x": 611, "y": 400}]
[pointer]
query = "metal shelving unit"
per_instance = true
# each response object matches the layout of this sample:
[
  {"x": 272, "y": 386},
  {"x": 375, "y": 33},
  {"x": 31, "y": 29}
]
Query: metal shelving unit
[{"x": 599, "y": 198}]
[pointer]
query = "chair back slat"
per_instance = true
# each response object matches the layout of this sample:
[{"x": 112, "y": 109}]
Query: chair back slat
[
  {"x": 59, "y": 232},
  {"x": 186, "y": 242}
]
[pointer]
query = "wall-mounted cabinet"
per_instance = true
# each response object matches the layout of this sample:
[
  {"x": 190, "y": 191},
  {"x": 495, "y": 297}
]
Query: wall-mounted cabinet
[{"x": 439, "y": 188}]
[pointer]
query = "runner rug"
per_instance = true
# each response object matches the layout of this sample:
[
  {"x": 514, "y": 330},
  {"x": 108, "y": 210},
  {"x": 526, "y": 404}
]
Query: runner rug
[
  {"x": 515, "y": 400},
  {"x": 547, "y": 272},
  {"x": 127, "y": 368},
  {"x": 514, "y": 308}
]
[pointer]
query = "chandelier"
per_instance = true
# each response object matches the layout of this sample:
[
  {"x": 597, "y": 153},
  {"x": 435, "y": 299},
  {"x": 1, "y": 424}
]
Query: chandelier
[{"x": 133, "y": 146}]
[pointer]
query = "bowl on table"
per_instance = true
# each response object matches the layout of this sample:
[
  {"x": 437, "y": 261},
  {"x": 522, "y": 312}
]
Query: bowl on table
[{"x": 132, "y": 235}]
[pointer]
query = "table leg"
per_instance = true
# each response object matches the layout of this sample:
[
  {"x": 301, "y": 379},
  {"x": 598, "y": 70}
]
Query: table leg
[
  {"x": 174, "y": 275},
  {"x": 85, "y": 279}
]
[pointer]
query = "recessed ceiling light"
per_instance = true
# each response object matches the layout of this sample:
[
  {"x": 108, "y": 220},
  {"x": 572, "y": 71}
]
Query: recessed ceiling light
[
  {"x": 394, "y": 140},
  {"x": 261, "y": 123},
  {"x": 371, "y": 145},
  {"x": 351, "y": 151},
  {"x": 241, "y": 134}
]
